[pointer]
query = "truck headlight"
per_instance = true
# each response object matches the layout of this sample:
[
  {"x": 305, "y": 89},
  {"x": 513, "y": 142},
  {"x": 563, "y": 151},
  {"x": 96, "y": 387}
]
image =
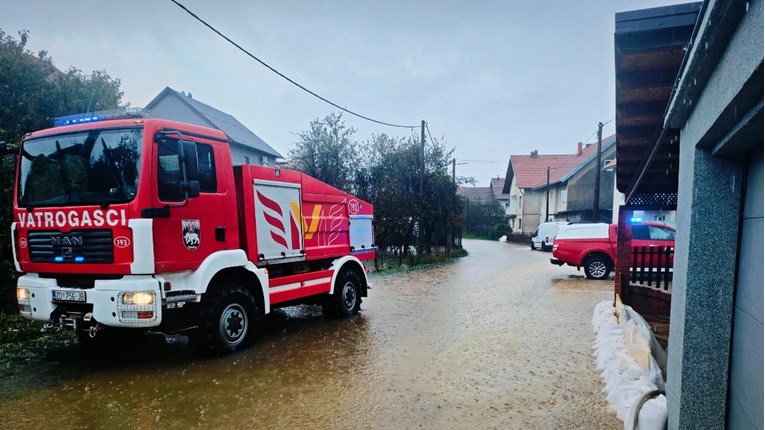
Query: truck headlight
[
  {"x": 25, "y": 307},
  {"x": 139, "y": 298}
]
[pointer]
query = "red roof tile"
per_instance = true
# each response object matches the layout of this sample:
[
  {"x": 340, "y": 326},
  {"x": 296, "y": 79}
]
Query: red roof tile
[
  {"x": 476, "y": 194},
  {"x": 496, "y": 188}
]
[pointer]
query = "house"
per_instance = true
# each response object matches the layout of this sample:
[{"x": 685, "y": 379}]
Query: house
[
  {"x": 576, "y": 200},
  {"x": 504, "y": 199},
  {"x": 689, "y": 124},
  {"x": 477, "y": 195},
  {"x": 567, "y": 194},
  {"x": 246, "y": 146}
]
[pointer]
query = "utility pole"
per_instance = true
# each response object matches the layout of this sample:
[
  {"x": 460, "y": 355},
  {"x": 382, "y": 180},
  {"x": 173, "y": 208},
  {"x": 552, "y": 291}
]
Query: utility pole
[
  {"x": 547, "y": 208},
  {"x": 450, "y": 231},
  {"x": 422, "y": 179},
  {"x": 596, "y": 204}
]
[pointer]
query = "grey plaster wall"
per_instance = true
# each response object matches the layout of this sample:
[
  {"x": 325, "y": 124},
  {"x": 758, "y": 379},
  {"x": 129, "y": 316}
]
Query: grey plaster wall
[
  {"x": 581, "y": 187},
  {"x": 533, "y": 208},
  {"x": 745, "y": 399},
  {"x": 709, "y": 199},
  {"x": 714, "y": 371},
  {"x": 238, "y": 152}
]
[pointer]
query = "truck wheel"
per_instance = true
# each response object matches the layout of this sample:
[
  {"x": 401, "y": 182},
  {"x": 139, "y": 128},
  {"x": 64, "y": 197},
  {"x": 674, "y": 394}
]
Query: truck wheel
[
  {"x": 533, "y": 248},
  {"x": 346, "y": 300},
  {"x": 227, "y": 320},
  {"x": 546, "y": 248},
  {"x": 597, "y": 267}
]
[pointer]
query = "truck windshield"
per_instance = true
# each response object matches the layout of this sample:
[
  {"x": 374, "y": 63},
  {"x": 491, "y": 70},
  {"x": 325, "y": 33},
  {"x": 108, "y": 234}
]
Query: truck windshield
[{"x": 98, "y": 166}]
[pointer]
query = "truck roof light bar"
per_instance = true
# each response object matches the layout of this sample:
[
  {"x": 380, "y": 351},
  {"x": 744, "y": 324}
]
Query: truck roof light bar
[{"x": 80, "y": 118}]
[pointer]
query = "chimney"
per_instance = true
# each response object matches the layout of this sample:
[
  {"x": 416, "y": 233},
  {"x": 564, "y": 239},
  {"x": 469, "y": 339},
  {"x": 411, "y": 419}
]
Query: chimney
[
  {"x": 534, "y": 153},
  {"x": 579, "y": 149}
]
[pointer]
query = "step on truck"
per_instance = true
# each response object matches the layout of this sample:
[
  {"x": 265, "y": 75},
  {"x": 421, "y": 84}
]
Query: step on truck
[{"x": 125, "y": 223}]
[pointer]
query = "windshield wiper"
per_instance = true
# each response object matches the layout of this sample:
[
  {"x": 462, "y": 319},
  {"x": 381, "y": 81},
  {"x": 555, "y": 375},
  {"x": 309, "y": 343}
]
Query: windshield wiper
[
  {"x": 64, "y": 182},
  {"x": 113, "y": 170}
]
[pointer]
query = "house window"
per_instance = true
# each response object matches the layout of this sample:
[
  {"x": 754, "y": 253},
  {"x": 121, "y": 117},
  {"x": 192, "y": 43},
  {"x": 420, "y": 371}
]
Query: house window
[{"x": 246, "y": 160}]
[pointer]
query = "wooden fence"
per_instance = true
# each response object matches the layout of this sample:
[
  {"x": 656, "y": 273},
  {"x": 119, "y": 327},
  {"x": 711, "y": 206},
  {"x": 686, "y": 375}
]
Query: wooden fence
[{"x": 651, "y": 266}]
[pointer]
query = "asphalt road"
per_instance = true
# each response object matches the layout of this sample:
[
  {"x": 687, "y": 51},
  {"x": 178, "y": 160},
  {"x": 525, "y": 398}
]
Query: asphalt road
[{"x": 499, "y": 339}]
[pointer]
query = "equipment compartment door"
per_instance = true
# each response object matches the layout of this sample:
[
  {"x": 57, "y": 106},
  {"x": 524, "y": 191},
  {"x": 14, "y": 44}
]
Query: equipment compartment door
[{"x": 278, "y": 220}]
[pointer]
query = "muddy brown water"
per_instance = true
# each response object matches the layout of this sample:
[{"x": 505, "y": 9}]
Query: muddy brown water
[{"x": 500, "y": 339}]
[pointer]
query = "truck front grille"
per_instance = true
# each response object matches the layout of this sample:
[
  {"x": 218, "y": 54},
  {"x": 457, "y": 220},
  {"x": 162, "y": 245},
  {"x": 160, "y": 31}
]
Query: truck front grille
[{"x": 76, "y": 246}]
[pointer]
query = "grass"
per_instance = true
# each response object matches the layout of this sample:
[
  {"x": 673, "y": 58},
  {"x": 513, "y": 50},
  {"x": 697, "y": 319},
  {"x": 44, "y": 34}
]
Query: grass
[
  {"x": 390, "y": 264},
  {"x": 21, "y": 336},
  {"x": 479, "y": 237}
]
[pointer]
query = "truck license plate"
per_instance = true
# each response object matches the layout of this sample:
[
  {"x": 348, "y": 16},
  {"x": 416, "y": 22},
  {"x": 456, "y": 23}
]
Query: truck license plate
[{"x": 68, "y": 296}]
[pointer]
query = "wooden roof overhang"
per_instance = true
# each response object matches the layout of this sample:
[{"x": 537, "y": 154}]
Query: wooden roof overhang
[{"x": 650, "y": 46}]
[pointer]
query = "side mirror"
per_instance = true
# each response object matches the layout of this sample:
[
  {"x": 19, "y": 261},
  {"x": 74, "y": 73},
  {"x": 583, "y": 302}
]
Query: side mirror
[
  {"x": 187, "y": 157},
  {"x": 192, "y": 189}
]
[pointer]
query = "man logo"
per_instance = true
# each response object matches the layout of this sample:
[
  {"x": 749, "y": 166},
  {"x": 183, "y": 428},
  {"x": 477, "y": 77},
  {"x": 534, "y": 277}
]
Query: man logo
[{"x": 66, "y": 240}]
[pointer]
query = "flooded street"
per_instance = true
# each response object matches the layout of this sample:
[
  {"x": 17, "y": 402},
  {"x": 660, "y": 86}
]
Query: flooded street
[{"x": 500, "y": 339}]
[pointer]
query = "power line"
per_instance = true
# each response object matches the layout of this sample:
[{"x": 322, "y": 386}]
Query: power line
[
  {"x": 429, "y": 135},
  {"x": 596, "y": 131},
  {"x": 284, "y": 76}
]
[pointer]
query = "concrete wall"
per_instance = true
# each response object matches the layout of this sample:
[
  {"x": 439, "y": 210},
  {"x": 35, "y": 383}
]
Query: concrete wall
[
  {"x": 581, "y": 186},
  {"x": 715, "y": 361},
  {"x": 533, "y": 209},
  {"x": 238, "y": 152},
  {"x": 745, "y": 396}
]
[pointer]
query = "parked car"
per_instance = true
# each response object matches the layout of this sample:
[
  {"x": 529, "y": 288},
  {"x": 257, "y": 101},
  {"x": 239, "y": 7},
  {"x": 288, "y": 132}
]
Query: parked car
[
  {"x": 545, "y": 234},
  {"x": 593, "y": 246}
]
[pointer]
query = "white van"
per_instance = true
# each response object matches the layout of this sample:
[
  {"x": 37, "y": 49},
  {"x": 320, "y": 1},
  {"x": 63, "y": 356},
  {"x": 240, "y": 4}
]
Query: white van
[{"x": 545, "y": 235}]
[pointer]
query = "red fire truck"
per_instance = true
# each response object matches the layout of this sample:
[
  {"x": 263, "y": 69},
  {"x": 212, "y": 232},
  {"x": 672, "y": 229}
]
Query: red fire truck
[{"x": 126, "y": 221}]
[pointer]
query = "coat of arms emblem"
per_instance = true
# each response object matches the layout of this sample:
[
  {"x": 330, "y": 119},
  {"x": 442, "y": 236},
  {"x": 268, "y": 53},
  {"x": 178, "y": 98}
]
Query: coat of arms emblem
[{"x": 191, "y": 233}]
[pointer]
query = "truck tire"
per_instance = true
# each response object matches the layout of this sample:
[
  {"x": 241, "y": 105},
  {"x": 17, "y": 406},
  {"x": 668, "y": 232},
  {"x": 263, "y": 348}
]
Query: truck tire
[
  {"x": 346, "y": 300},
  {"x": 227, "y": 320},
  {"x": 546, "y": 248},
  {"x": 597, "y": 267},
  {"x": 533, "y": 248}
]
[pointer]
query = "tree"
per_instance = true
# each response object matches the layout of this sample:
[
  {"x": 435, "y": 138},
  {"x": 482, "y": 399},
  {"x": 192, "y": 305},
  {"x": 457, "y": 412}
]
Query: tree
[
  {"x": 385, "y": 172},
  {"x": 485, "y": 219},
  {"x": 327, "y": 152},
  {"x": 32, "y": 93}
]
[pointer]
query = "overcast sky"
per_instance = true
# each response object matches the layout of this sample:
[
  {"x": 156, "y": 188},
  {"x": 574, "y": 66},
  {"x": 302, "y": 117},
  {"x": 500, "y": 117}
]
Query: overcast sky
[{"x": 492, "y": 78}]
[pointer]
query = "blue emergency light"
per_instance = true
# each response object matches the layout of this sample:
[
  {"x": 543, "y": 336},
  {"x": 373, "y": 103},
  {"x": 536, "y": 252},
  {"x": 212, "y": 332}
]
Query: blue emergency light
[
  {"x": 81, "y": 118},
  {"x": 79, "y": 259},
  {"x": 636, "y": 219}
]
